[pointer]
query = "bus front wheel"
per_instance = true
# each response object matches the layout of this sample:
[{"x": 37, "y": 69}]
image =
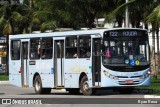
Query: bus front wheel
[
  {"x": 38, "y": 86},
  {"x": 84, "y": 86}
]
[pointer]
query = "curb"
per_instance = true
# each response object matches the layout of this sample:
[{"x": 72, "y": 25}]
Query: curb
[
  {"x": 4, "y": 82},
  {"x": 151, "y": 96}
]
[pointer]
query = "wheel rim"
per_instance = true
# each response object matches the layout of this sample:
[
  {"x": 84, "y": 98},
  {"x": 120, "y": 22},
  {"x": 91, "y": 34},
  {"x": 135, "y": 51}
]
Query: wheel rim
[
  {"x": 37, "y": 85},
  {"x": 86, "y": 87}
]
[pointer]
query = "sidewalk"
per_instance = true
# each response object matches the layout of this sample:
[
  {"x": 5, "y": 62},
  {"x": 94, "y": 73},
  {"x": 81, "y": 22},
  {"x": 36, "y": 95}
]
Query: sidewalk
[{"x": 4, "y": 82}]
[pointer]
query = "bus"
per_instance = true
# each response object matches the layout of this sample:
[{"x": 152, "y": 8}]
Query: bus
[{"x": 80, "y": 61}]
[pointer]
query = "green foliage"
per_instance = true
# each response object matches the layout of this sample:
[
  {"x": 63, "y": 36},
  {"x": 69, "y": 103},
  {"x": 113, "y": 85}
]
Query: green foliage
[
  {"x": 154, "y": 17},
  {"x": 74, "y": 14},
  {"x": 16, "y": 17},
  {"x": 48, "y": 26},
  {"x": 4, "y": 77},
  {"x": 154, "y": 84},
  {"x": 7, "y": 28},
  {"x": 42, "y": 15}
]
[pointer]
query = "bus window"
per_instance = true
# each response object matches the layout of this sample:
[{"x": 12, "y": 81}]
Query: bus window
[
  {"x": 84, "y": 46},
  {"x": 47, "y": 46},
  {"x": 15, "y": 50},
  {"x": 71, "y": 47},
  {"x": 35, "y": 48}
]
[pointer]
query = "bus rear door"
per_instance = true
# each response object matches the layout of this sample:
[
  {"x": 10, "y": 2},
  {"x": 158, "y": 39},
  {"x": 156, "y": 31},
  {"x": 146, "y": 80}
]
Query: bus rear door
[{"x": 59, "y": 62}]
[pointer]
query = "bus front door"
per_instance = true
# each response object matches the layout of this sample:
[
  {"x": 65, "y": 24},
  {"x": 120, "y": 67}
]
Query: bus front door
[
  {"x": 96, "y": 61},
  {"x": 24, "y": 63},
  {"x": 59, "y": 62}
]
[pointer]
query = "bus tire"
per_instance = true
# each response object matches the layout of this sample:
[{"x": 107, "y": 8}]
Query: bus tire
[
  {"x": 84, "y": 86},
  {"x": 38, "y": 86}
]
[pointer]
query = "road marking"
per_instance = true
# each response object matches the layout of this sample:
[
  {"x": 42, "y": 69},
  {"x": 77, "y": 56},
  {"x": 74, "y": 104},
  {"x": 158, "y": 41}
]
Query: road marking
[
  {"x": 4, "y": 82},
  {"x": 151, "y": 96}
]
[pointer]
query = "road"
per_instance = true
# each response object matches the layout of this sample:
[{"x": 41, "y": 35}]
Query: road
[{"x": 61, "y": 97}]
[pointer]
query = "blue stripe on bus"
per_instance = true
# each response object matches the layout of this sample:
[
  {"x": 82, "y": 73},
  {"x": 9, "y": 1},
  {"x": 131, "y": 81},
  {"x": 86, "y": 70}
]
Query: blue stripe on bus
[{"x": 52, "y": 70}]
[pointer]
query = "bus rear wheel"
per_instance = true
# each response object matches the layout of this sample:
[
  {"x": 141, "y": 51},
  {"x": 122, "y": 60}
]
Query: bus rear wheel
[
  {"x": 38, "y": 86},
  {"x": 84, "y": 86}
]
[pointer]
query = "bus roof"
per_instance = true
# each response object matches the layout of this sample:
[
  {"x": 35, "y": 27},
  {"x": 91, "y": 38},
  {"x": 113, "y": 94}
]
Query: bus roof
[{"x": 66, "y": 33}]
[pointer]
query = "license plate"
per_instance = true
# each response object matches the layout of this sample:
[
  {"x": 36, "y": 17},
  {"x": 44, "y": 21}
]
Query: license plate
[{"x": 129, "y": 81}]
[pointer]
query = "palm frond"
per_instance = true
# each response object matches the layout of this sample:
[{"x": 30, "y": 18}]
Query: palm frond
[
  {"x": 7, "y": 28},
  {"x": 17, "y": 17},
  {"x": 119, "y": 10},
  {"x": 1, "y": 20},
  {"x": 3, "y": 9},
  {"x": 154, "y": 17},
  {"x": 48, "y": 26},
  {"x": 42, "y": 15}
]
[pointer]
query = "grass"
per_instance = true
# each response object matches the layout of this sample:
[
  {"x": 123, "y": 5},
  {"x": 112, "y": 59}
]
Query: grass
[
  {"x": 154, "y": 88},
  {"x": 155, "y": 84},
  {"x": 4, "y": 77}
]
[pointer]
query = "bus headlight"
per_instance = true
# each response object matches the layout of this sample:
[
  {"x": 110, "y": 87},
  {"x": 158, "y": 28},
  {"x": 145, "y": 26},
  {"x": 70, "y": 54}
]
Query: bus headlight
[
  {"x": 144, "y": 76},
  {"x": 109, "y": 75},
  {"x": 149, "y": 72}
]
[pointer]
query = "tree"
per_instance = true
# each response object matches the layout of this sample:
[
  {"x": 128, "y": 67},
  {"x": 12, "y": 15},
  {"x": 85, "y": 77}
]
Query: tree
[
  {"x": 154, "y": 19},
  {"x": 11, "y": 21},
  {"x": 75, "y": 13}
]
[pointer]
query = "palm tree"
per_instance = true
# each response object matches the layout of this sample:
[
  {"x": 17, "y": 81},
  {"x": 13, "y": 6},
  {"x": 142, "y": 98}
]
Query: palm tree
[
  {"x": 70, "y": 13},
  {"x": 154, "y": 18},
  {"x": 12, "y": 21},
  {"x": 118, "y": 11}
]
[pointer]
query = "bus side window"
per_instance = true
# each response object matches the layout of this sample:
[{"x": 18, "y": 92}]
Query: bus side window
[
  {"x": 84, "y": 46},
  {"x": 71, "y": 47},
  {"x": 47, "y": 48},
  {"x": 35, "y": 48},
  {"x": 15, "y": 50}
]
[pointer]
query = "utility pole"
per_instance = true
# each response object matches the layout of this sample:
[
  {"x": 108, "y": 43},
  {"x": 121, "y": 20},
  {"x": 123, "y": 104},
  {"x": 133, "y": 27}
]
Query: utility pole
[
  {"x": 30, "y": 6},
  {"x": 126, "y": 16}
]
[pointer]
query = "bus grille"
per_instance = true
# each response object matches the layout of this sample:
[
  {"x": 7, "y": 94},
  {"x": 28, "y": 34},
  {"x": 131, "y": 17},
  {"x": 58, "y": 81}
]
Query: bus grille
[
  {"x": 124, "y": 83},
  {"x": 135, "y": 76},
  {"x": 122, "y": 76}
]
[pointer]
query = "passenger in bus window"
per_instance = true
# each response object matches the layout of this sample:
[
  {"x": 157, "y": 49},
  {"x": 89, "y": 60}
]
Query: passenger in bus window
[
  {"x": 32, "y": 54},
  {"x": 43, "y": 53},
  {"x": 38, "y": 53},
  {"x": 82, "y": 53},
  {"x": 126, "y": 54},
  {"x": 108, "y": 55},
  {"x": 113, "y": 52},
  {"x": 75, "y": 55}
]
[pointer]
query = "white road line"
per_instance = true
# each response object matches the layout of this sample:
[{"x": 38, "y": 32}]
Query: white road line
[
  {"x": 4, "y": 82},
  {"x": 151, "y": 96}
]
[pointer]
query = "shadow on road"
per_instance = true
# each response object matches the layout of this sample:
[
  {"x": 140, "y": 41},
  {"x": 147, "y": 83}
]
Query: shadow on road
[{"x": 106, "y": 92}]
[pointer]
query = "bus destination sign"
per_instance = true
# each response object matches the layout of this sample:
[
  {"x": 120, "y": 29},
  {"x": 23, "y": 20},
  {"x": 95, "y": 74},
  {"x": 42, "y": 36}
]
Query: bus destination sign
[{"x": 131, "y": 33}]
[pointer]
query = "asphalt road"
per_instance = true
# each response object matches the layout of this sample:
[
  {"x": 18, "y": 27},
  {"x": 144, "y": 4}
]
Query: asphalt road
[
  {"x": 7, "y": 91},
  {"x": 61, "y": 98}
]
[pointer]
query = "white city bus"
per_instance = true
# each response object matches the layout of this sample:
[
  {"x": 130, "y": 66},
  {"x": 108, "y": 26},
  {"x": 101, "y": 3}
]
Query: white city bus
[{"x": 80, "y": 61}]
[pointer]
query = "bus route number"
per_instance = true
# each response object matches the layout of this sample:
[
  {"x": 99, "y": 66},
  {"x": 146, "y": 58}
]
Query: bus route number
[{"x": 113, "y": 33}]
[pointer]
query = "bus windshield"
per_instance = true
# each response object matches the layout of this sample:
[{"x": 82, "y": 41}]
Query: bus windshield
[{"x": 125, "y": 48}]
